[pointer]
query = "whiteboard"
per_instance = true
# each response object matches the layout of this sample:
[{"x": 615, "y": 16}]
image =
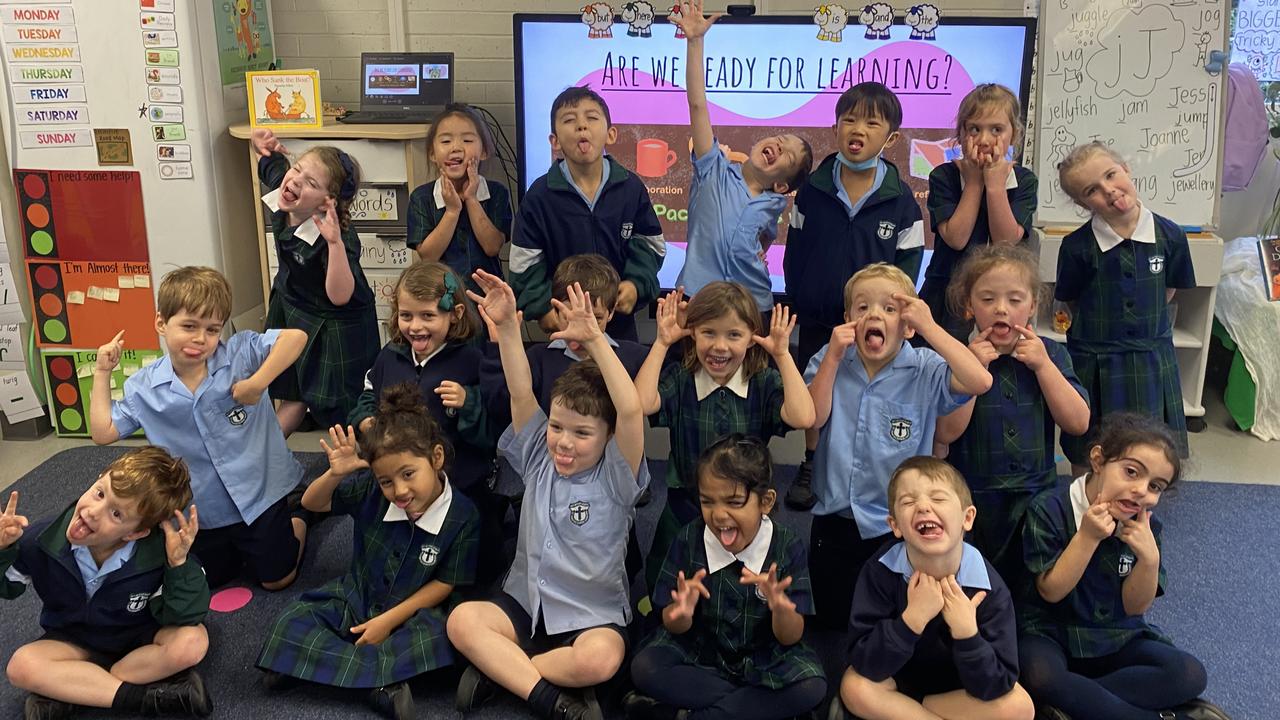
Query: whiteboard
[{"x": 1130, "y": 73}]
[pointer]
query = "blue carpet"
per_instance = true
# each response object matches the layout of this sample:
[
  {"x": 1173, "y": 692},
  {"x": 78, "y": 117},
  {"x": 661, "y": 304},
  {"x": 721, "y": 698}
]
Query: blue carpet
[{"x": 1221, "y": 601}]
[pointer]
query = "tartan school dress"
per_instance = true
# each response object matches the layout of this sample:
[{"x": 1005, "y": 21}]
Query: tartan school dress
[
  {"x": 1007, "y": 456},
  {"x": 699, "y": 412},
  {"x": 1120, "y": 339},
  {"x": 391, "y": 559},
  {"x": 342, "y": 341},
  {"x": 1091, "y": 620},
  {"x": 732, "y": 632}
]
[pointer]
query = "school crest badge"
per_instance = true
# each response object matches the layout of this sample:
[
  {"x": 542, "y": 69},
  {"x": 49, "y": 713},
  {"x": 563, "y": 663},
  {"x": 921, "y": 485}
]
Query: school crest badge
[
  {"x": 900, "y": 429},
  {"x": 627, "y": 229},
  {"x": 886, "y": 229},
  {"x": 428, "y": 555},
  {"x": 237, "y": 415},
  {"x": 137, "y": 602},
  {"x": 579, "y": 512},
  {"x": 1156, "y": 263},
  {"x": 1125, "y": 566},
  {"x": 297, "y": 256}
]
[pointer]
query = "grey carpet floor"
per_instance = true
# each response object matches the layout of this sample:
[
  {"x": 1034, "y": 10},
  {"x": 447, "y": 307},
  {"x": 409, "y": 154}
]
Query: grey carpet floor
[{"x": 1222, "y": 601}]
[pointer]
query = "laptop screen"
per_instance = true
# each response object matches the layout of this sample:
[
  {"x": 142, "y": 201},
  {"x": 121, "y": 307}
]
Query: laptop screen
[{"x": 406, "y": 80}]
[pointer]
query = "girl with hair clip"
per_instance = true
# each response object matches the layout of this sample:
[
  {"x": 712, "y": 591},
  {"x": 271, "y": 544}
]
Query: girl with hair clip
[
  {"x": 320, "y": 287},
  {"x": 980, "y": 198},
  {"x": 733, "y": 593},
  {"x": 415, "y": 543},
  {"x": 431, "y": 330},
  {"x": 1085, "y": 647},
  {"x": 461, "y": 219},
  {"x": 725, "y": 385}
]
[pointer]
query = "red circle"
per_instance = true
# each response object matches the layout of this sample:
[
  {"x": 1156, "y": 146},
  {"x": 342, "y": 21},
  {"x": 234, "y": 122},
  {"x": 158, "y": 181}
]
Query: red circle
[
  {"x": 61, "y": 368},
  {"x": 33, "y": 186},
  {"x": 50, "y": 304},
  {"x": 38, "y": 215},
  {"x": 47, "y": 277},
  {"x": 67, "y": 394}
]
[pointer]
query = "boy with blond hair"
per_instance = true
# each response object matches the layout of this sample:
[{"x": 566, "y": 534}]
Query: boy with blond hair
[
  {"x": 207, "y": 403},
  {"x": 877, "y": 400},
  {"x": 111, "y": 638}
]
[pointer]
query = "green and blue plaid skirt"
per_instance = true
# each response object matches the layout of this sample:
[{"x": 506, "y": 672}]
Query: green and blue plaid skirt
[{"x": 329, "y": 375}]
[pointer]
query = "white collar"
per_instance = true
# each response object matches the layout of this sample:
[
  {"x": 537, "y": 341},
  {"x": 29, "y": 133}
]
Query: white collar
[
  {"x": 433, "y": 519},
  {"x": 752, "y": 555},
  {"x": 482, "y": 191},
  {"x": 1010, "y": 182},
  {"x": 569, "y": 353},
  {"x": 704, "y": 385},
  {"x": 1079, "y": 499},
  {"x": 307, "y": 232},
  {"x": 427, "y": 359},
  {"x": 1143, "y": 232}
]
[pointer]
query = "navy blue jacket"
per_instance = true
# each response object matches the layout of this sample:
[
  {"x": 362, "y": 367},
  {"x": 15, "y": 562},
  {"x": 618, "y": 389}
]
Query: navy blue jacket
[
  {"x": 129, "y": 606},
  {"x": 555, "y": 222},
  {"x": 825, "y": 247},
  {"x": 881, "y": 644},
  {"x": 473, "y": 448}
]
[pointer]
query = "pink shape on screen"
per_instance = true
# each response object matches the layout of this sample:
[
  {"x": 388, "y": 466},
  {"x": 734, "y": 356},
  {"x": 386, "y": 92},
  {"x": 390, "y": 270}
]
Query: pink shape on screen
[
  {"x": 928, "y": 81},
  {"x": 230, "y": 600}
]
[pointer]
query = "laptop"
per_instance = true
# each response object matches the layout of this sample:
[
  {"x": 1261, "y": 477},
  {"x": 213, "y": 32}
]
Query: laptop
[{"x": 402, "y": 87}]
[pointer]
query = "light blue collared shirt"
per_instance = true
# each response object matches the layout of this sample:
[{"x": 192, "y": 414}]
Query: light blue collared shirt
[
  {"x": 572, "y": 544},
  {"x": 604, "y": 174},
  {"x": 972, "y": 572},
  {"x": 569, "y": 353},
  {"x": 726, "y": 225},
  {"x": 849, "y": 205},
  {"x": 875, "y": 425},
  {"x": 236, "y": 454},
  {"x": 91, "y": 574}
]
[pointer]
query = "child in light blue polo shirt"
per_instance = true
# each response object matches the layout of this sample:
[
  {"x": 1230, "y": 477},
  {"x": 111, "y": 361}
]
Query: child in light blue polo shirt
[
  {"x": 207, "y": 403},
  {"x": 563, "y": 608},
  {"x": 733, "y": 211},
  {"x": 877, "y": 399}
]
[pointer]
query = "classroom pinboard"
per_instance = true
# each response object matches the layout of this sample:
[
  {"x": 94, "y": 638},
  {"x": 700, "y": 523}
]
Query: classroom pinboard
[
  {"x": 764, "y": 75},
  {"x": 1131, "y": 73}
]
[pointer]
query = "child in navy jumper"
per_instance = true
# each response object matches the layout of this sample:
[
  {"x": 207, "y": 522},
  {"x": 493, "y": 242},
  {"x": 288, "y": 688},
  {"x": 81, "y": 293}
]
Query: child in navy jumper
[
  {"x": 933, "y": 627},
  {"x": 733, "y": 211},
  {"x": 586, "y": 203},
  {"x": 111, "y": 637},
  {"x": 431, "y": 329},
  {"x": 854, "y": 210}
]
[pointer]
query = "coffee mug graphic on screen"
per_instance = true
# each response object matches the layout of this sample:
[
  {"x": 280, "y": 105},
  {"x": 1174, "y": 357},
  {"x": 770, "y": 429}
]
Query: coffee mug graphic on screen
[{"x": 653, "y": 158}]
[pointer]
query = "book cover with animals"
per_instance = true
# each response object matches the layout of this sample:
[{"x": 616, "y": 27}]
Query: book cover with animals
[
  {"x": 1269, "y": 254},
  {"x": 284, "y": 98}
]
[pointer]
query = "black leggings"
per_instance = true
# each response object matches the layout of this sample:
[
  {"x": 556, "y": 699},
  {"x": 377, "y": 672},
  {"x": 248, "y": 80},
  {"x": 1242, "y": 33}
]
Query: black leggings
[
  {"x": 1138, "y": 681},
  {"x": 662, "y": 674}
]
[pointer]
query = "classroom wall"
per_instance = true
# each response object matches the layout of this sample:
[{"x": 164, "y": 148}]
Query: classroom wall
[{"x": 329, "y": 35}]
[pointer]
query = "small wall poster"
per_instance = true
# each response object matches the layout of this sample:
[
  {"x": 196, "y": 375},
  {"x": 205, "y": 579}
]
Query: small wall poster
[{"x": 244, "y": 38}]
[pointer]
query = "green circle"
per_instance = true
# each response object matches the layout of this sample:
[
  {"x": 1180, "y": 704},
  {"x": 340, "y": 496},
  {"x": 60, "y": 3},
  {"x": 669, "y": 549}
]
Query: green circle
[
  {"x": 54, "y": 330},
  {"x": 70, "y": 419},
  {"x": 42, "y": 242}
]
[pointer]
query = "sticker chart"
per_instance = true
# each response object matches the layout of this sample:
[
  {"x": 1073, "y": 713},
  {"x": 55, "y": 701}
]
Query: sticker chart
[{"x": 69, "y": 378}]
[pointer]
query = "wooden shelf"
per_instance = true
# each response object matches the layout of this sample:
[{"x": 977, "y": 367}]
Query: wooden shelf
[{"x": 339, "y": 130}]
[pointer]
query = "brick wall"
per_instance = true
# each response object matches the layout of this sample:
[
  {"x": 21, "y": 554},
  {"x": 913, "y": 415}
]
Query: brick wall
[{"x": 329, "y": 35}]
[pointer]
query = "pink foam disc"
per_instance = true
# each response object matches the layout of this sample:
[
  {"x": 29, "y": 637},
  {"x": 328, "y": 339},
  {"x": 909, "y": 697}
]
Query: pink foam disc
[{"x": 230, "y": 600}]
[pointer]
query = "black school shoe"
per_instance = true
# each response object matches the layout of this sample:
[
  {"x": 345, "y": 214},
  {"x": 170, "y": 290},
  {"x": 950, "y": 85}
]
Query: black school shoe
[
  {"x": 1196, "y": 710},
  {"x": 394, "y": 701},
  {"x": 1048, "y": 712},
  {"x": 474, "y": 690},
  {"x": 800, "y": 495},
  {"x": 39, "y": 707},
  {"x": 182, "y": 694},
  {"x": 643, "y": 707},
  {"x": 569, "y": 707}
]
